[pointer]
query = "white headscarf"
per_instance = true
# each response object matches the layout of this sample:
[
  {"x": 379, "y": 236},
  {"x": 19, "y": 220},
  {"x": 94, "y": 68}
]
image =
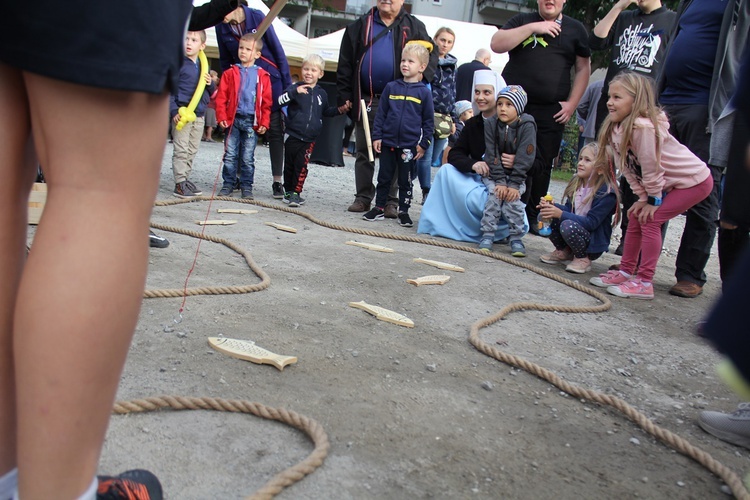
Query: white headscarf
[{"x": 486, "y": 77}]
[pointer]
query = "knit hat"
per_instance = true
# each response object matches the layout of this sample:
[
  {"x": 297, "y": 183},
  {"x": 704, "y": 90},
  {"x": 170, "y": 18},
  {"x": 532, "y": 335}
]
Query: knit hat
[
  {"x": 461, "y": 107},
  {"x": 515, "y": 94}
]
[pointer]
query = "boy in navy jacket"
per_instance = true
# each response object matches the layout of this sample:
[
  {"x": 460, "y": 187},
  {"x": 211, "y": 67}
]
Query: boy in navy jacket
[
  {"x": 402, "y": 131},
  {"x": 187, "y": 139},
  {"x": 307, "y": 105}
]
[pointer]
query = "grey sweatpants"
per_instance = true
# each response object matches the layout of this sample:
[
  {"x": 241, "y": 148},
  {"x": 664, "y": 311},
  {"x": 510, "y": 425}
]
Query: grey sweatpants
[{"x": 512, "y": 212}]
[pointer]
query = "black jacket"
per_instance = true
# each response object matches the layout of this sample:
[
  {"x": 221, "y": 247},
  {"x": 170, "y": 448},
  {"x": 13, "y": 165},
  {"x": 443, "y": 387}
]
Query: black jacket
[
  {"x": 470, "y": 146},
  {"x": 210, "y": 14},
  {"x": 305, "y": 112},
  {"x": 354, "y": 45}
]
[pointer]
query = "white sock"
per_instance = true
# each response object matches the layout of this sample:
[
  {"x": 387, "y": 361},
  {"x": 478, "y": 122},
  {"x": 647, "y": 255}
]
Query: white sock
[
  {"x": 8, "y": 484},
  {"x": 89, "y": 494}
]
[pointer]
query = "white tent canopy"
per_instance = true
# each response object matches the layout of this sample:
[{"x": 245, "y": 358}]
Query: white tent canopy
[{"x": 469, "y": 38}]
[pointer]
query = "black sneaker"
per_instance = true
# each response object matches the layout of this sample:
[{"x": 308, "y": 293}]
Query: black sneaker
[
  {"x": 287, "y": 197},
  {"x": 278, "y": 190},
  {"x": 156, "y": 241},
  {"x": 226, "y": 191},
  {"x": 374, "y": 214},
  {"x": 193, "y": 188},
  {"x": 295, "y": 200},
  {"x": 404, "y": 220},
  {"x": 182, "y": 190},
  {"x": 137, "y": 484},
  {"x": 247, "y": 194}
]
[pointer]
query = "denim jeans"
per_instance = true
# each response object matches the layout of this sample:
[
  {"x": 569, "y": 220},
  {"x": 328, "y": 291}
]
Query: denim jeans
[
  {"x": 433, "y": 157},
  {"x": 240, "y": 148}
]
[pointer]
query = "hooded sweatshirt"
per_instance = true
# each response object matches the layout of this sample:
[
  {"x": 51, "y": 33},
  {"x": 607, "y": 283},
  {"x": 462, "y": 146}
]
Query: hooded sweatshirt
[{"x": 648, "y": 175}]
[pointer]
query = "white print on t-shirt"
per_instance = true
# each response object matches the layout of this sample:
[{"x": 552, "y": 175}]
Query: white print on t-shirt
[{"x": 638, "y": 48}]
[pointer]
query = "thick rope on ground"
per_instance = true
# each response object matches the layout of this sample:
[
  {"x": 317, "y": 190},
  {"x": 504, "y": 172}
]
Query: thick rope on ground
[
  {"x": 669, "y": 438},
  {"x": 281, "y": 480}
]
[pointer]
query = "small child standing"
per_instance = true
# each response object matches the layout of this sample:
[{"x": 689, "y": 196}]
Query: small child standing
[
  {"x": 582, "y": 226},
  {"x": 665, "y": 175},
  {"x": 402, "y": 131},
  {"x": 307, "y": 105},
  {"x": 509, "y": 132},
  {"x": 188, "y": 138},
  {"x": 243, "y": 104},
  {"x": 462, "y": 110}
]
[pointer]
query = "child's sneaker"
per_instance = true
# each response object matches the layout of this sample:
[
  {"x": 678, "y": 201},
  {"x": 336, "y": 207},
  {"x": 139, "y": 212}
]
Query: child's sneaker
[
  {"x": 194, "y": 188},
  {"x": 557, "y": 257},
  {"x": 610, "y": 278},
  {"x": 517, "y": 249},
  {"x": 295, "y": 200},
  {"x": 137, "y": 484},
  {"x": 278, "y": 190},
  {"x": 182, "y": 190},
  {"x": 404, "y": 220},
  {"x": 374, "y": 214},
  {"x": 486, "y": 243},
  {"x": 633, "y": 289},
  {"x": 226, "y": 191},
  {"x": 247, "y": 194},
  {"x": 579, "y": 266},
  {"x": 287, "y": 197}
]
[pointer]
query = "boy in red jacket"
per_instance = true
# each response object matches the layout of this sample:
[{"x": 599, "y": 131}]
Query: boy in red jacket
[{"x": 243, "y": 104}]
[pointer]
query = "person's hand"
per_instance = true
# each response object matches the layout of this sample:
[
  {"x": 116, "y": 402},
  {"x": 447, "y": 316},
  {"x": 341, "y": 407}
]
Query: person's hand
[
  {"x": 550, "y": 211},
  {"x": 507, "y": 160},
  {"x": 223, "y": 124},
  {"x": 207, "y": 78},
  {"x": 646, "y": 213},
  {"x": 624, "y": 4},
  {"x": 344, "y": 107},
  {"x": 565, "y": 113},
  {"x": 636, "y": 208},
  {"x": 481, "y": 168},
  {"x": 453, "y": 128},
  {"x": 550, "y": 28},
  {"x": 500, "y": 191},
  {"x": 376, "y": 145},
  {"x": 262, "y": 130},
  {"x": 580, "y": 129},
  {"x": 420, "y": 152},
  {"x": 512, "y": 194},
  {"x": 303, "y": 89},
  {"x": 543, "y": 203},
  {"x": 176, "y": 118}
]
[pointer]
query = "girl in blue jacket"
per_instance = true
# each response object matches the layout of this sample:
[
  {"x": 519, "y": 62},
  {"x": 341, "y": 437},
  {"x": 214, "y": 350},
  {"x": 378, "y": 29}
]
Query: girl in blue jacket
[{"x": 582, "y": 226}]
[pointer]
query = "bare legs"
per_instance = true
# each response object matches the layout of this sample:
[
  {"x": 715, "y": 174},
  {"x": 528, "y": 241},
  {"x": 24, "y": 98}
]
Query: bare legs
[{"x": 80, "y": 291}]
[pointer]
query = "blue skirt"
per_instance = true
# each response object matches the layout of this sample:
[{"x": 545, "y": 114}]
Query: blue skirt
[{"x": 455, "y": 206}]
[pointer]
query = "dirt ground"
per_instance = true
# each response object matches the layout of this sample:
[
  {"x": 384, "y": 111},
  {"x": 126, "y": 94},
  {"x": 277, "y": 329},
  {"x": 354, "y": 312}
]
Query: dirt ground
[{"x": 410, "y": 412}]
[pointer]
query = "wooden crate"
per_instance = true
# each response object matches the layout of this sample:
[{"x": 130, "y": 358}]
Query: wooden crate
[{"x": 37, "y": 199}]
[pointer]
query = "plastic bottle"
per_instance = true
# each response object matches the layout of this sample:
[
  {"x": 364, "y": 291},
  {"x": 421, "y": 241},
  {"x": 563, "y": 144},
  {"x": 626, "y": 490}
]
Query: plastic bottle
[{"x": 544, "y": 228}]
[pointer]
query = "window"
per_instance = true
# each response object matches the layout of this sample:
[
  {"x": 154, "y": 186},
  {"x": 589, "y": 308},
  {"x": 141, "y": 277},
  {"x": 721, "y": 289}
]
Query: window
[{"x": 437, "y": 2}]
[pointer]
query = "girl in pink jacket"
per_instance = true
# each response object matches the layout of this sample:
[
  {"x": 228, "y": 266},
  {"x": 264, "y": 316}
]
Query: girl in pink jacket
[{"x": 665, "y": 175}]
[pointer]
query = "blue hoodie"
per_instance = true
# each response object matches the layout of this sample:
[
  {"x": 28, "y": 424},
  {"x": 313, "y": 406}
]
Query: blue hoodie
[{"x": 405, "y": 116}]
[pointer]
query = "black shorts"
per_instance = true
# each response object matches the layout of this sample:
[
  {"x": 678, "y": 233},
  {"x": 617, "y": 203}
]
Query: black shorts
[{"x": 132, "y": 45}]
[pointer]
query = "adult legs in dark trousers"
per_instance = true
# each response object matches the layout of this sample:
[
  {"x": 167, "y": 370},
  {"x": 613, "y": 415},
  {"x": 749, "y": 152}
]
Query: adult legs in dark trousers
[
  {"x": 548, "y": 138},
  {"x": 734, "y": 228},
  {"x": 275, "y": 137},
  {"x": 364, "y": 171},
  {"x": 687, "y": 123}
]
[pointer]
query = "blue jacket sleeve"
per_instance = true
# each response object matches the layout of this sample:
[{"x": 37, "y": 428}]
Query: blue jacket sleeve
[
  {"x": 383, "y": 107},
  {"x": 602, "y": 206},
  {"x": 428, "y": 119}
]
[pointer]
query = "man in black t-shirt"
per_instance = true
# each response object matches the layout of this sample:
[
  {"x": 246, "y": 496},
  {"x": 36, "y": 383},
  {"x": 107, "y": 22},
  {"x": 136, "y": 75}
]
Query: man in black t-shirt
[{"x": 543, "y": 46}]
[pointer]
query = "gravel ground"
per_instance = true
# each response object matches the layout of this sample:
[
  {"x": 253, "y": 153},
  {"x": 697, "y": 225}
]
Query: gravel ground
[{"x": 410, "y": 412}]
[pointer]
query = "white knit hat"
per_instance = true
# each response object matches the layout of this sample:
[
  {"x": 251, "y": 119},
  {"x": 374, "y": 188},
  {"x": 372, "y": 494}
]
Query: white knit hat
[{"x": 461, "y": 107}]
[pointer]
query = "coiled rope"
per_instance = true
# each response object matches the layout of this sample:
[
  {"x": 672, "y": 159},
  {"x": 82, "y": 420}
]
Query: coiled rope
[{"x": 286, "y": 477}]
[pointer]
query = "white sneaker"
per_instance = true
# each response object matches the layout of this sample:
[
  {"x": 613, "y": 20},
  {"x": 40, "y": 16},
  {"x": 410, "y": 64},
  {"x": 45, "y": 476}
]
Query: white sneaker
[{"x": 730, "y": 427}]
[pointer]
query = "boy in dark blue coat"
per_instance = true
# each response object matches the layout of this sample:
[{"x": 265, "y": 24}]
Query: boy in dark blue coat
[
  {"x": 307, "y": 105},
  {"x": 402, "y": 131}
]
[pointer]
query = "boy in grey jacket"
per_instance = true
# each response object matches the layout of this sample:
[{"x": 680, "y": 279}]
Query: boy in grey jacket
[{"x": 509, "y": 132}]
